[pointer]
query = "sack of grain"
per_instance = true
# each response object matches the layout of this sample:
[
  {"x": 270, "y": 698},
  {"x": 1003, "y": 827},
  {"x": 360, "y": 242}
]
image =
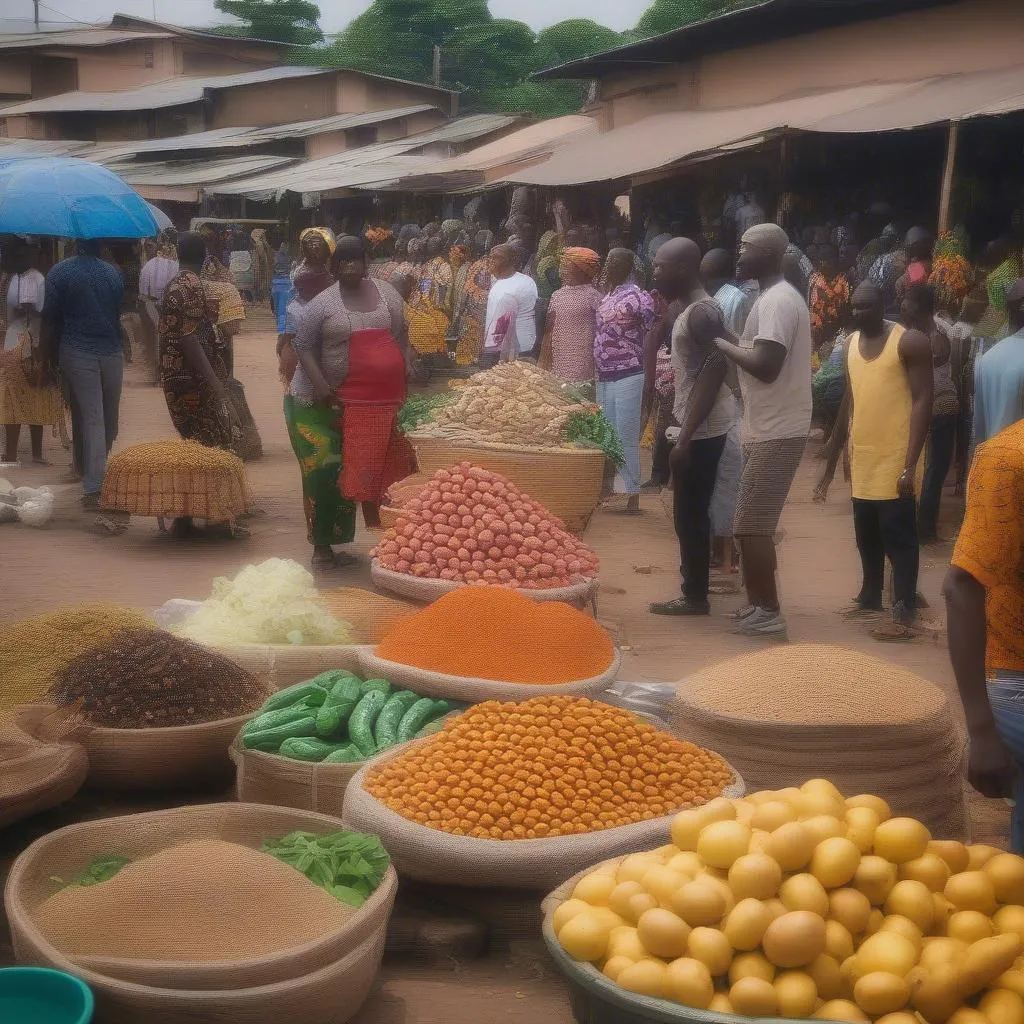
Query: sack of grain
[
  {"x": 787, "y": 714},
  {"x": 323, "y": 982},
  {"x": 430, "y": 855},
  {"x": 473, "y": 691},
  {"x": 38, "y": 769},
  {"x": 263, "y": 778}
]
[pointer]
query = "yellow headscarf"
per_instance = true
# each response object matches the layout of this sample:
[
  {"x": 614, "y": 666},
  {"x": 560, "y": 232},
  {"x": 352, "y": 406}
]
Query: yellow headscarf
[
  {"x": 325, "y": 233},
  {"x": 585, "y": 260}
]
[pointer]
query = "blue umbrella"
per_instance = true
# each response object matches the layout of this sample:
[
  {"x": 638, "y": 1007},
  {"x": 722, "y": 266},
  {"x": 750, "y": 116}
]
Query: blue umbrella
[
  {"x": 161, "y": 218},
  {"x": 70, "y": 198}
]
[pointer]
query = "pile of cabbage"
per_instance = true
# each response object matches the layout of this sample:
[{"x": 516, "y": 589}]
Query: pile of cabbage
[{"x": 274, "y": 602}]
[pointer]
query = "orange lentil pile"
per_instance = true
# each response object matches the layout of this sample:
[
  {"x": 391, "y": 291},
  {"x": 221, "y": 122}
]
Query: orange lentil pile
[
  {"x": 540, "y": 643},
  {"x": 551, "y": 766}
]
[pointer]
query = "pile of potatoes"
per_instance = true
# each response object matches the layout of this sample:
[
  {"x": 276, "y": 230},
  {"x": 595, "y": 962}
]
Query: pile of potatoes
[{"x": 803, "y": 904}]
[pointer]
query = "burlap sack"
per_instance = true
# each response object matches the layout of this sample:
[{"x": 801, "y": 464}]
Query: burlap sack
[
  {"x": 37, "y": 771},
  {"x": 430, "y": 855},
  {"x": 301, "y": 984},
  {"x": 580, "y": 594},
  {"x": 281, "y": 665},
  {"x": 474, "y": 691},
  {"x": 918, "y": 767},
  {"x": 263, "y": 778},
  {"x": 596, "y": 999}
]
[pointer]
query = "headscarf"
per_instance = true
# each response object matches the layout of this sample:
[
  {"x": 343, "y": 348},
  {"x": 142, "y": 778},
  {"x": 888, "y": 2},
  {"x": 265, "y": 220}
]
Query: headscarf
[
  {"x": 417, "y": 250},
  {"x": 166, "y": 244},
  {"x": 259, "y": 237},
  {"x": 585, "y": 260},
  {"x": 325, "y": 233},
  {"x": 549, "y": 252},
  {"x": 229, "y": 302},
  {"x": 450, "y": 229}
]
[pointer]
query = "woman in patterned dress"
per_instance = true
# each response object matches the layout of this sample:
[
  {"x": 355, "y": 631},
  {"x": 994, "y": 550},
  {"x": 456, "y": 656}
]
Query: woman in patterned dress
[
  {"x": 572, "y": 317},
  {"x": 472, "y": 286}
]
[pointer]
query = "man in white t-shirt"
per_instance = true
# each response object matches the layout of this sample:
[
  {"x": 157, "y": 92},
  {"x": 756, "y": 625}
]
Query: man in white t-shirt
[
  {"x": 511, "y": 326},
  {"x": 773, "y": 360}
]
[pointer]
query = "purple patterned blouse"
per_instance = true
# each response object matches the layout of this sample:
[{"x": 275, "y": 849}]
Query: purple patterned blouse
[{"x": 624, "y": 319}]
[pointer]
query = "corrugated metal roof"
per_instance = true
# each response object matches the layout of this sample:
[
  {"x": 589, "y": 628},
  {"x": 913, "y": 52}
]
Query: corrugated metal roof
[
  {"x": 170, "y": 93},
  {"x": 663, "y": 139},
  {"x": 41, "y": 147},
  {"x": 748, "y": 26},
  {"x": 195, "y": 173},
  {"x": 75, "y": 37},
  {"x": 338, "y": 122}
]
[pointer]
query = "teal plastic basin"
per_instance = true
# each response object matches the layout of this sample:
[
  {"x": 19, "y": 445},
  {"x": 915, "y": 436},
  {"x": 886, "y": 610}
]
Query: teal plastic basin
[{"x": 39, "y": 995}]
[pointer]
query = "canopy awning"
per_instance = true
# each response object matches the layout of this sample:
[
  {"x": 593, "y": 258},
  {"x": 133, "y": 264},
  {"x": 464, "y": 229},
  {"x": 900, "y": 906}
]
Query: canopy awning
[{"x": 665, "y": 139}]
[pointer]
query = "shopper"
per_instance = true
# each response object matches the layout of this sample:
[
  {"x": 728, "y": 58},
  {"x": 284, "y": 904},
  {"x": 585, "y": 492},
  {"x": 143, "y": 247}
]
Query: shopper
[
  {"x": 705, "y": 410},
  {"x": 773, "y": 358},
  {"x": 511, "y": 326},
  {"x": 999, "y": 374},
  {"x": 887, "y": 413},
  {"x": 985, "y": 607},
  {"x": 82, "y": 334}
]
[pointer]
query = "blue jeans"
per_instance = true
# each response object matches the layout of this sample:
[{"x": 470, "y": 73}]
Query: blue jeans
[
  {"x": 95, "y": 385},
  {"x": 621, "y": 401},
  {"x": 1006, "y": 695},
  {"x": 280, "y": 289}
]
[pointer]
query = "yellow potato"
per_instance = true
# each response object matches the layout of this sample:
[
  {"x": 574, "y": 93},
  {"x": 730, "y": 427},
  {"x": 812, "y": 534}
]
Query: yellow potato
[
  {"x": 875, "y": 877},
  {"x": 913, "y": 900},
  {"x": 804, "y": 892},
  {"x": 938, "y": 993},
  {"x": 824, "y": 826},
  {"x": 851, "y": 908},
  {"x": 720, "y": 1004},
  {"x": 754, "y": 997},
  {"x": 662, "y": 883},
  {"x": 646, "y": 978},
  {"x": 834, "y": 861},
  {"x": 901, "y": 839},
  {"x": 746, "y": 924},
  {"x": 711, "y": 948},
  {"x": 969, "y": 926},
  {"x": 626, "y": 942},
  {"x": 879, "y": 993},
  {"x": 796, "y": 994},
  {"x": 839, "y": 1009},
  {"x": 686, "y": 827},
  {"x": 663, "y": 933},
  {"x": 978, "y": 855},
  {"x": 986, "y": 959},
  {"x": 875, "y": 803},
  {"x": 790, "y": 846},
  {"x": 971, "y": 890},
  {"x": 594, "y": 889},
  {"x": 900, "y": 1017},
  {"x": 699, "y": 903},
  {"x": 751, "y": 965},
  {"x": 566, "y": 911},
  {"x": 886, "y": 951},
  {"x": 942, "y": 950},
  {"x": 723, "y": 842},
  {"x": 686, "y": 863},
  {"x": 755, "y": 875},
  {"x": 953, "y": 853},
  {"x": 615, "y": 966},
  {"x": 795, "y": 939},
  {"x": 929, "y": 869},
  {"x": 967, "y": 1015},
  {"x": 620, "y": 897},
  {"x": 827, "y": 977},
  {"x": 635, "y": 866},
  {"x": 688, "y": 981},
  {"x": 1007, "y": 873},
  {"x": 772, "y": 815},
  {"x": 861, "y": 823},
  {"x": 838, "y": 941},
  {"x": 585, "y": 937},
  {"x": 1000, "y": 1006},
  {"x": 905, "y": 927},
  {"x": 640, "y": 904},
  {"x": 1009, "y": 920}
]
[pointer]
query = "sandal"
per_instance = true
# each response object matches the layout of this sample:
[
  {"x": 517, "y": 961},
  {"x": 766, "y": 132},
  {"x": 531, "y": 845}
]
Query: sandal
[
  {"x": 323, "y": 562},
  {"x": 894, "y": 632}
]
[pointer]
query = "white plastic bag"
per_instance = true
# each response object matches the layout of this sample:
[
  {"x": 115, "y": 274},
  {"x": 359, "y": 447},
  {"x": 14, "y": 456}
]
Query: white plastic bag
[
  {"x": 174, "y": 612},
  {"x": 652, "y": 700}
]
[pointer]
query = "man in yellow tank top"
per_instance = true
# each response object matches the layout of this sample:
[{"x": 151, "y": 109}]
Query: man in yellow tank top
[{"x": 889, "y": 398}]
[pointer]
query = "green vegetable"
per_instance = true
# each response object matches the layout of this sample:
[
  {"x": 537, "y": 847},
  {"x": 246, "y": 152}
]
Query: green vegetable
[
  {"x": 271, "y": 739},
  {"x": 420, "y": 409},
  {"x": 312, "y": 693},
  {"x": 349, "y": 865},
  {"x": 417, "y": 716},
  {"x": 361, "y": 722},
  {"x": 329, "y": 679},
  {"x": 386, "y": 729},
  {"x": 593, "y": 429},
  {"x": 341, "y": 701},
  {"x": 99, "y": 869},
  {"x": 376, "y": 684},
  {"x": 307, "y": 748},
  {"x": 347, "y": 754},
  {"x": 283, "y": 716}
]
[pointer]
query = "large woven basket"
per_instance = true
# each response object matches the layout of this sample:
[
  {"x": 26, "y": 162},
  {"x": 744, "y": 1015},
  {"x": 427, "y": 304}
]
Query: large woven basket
[
  {"x": 566, "y": 481},
  {"x": 281, "y": 665},
  {"x": 419, "y": 589},
  {"x": 596, "y": 999},
  {"x": 38, "y": 773},
  {"x": 324, "y": 982},
  {"x": 430, "y": 855},
  {"x": 161, "y": 480},
  {"x": 474, "y": 691},
  {"x": 264, "y": 778}
]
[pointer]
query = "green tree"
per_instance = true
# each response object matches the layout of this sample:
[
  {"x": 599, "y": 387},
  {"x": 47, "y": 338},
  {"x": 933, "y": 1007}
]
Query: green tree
[
  {"x": 572, "y": 40},
  {"x": 666, "y": 15},
  {"x": 284, "y": 21}
]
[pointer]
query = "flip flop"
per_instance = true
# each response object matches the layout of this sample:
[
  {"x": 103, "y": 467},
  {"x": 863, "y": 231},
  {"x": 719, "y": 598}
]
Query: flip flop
[{"x": 894, "y": 632}]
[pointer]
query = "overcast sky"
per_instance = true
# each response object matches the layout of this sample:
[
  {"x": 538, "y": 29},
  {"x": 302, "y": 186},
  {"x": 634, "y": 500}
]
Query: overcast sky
[{"x": 617, "y": 14}]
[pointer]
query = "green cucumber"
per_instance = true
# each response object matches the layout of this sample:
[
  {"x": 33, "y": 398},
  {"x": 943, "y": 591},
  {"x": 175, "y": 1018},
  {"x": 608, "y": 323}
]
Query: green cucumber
[
  {"x": 311, "y": 692},
  {"x": 307, "y": 748},
  {"x": 348, "y": 754},
  {"x": 271, "y": 739},
  {"x": 386, "y": 729},
  {"x": 361, "y": 721},
  {"x": 283, "y": 716},
  {"x": 376, "y": 684},
  {"x": 340, "y": 703},
  {"x": 416, "y": 717}
]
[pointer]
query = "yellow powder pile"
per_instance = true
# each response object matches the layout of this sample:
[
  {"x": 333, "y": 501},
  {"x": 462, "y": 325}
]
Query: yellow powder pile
[{"x": 200, "y": 901}]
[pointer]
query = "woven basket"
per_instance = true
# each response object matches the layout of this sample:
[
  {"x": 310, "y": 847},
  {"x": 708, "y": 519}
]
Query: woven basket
[
  {"x": 474, "y": 691},
  {"x": 579, "y": 595},
  {"x": 566, "y": 481},
  {"x": 281, "y": 665},
  {"x": 430, "y": 855},
  {"x": 324, "y": 982},
  {"x": 154, "y": 760},
  {"x": 38, "y": 774},
  {"x": 596, "y": 999},
  {"x": 917, "y": 765},
  {"x": 263, "y": 778},
  {"x": 388, "y": 516},
  {"x": 157, "y": 480}
]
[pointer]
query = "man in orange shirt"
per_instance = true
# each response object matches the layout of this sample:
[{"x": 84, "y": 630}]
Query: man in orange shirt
[{"x": 985, "y": 607}]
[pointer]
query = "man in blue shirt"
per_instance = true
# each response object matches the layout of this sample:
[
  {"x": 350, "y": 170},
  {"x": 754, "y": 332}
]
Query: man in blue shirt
[
  {"x": 82, "y": 335},
  {"x": 999, "y": 375}
]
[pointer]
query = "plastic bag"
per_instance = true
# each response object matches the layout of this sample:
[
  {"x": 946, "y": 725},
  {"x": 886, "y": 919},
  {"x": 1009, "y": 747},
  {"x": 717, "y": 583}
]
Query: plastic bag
[
  {"x": 652, "y": 700},
  {"x": 175, "y": 612}
]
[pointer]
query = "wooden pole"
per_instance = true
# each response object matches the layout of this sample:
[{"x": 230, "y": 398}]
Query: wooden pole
[
  {"x": 436, "y": 75},
  {"x": 948, "y": 171}
]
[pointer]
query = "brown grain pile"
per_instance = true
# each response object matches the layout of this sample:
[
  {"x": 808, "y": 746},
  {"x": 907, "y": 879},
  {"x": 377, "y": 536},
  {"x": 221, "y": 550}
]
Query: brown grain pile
[
  {"x": 199, "y": 901},
  {"x": 146, "y": 679}
]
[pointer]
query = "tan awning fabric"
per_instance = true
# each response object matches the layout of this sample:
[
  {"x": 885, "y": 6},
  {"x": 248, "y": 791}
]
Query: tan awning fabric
[{"x": 664, "y": 139}]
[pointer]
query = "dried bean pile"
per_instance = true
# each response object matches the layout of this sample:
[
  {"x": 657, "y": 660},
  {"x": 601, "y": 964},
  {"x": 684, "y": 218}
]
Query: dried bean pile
[{"x": 146, "y": 678}]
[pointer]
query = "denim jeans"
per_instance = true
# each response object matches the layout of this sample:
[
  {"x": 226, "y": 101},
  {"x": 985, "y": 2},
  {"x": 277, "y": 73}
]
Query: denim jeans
[
  {"x": 95, "y": 385},
  {"x": 621, "y": 401},
  {"x": 1006, "y": 695}
]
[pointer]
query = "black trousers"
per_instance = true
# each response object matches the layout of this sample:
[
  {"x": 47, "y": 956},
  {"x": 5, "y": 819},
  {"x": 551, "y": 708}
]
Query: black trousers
[
  {"x": 692, "y": 491},
  {"x": 887, "y": 529},
  {"x": 941, "y": 449}
]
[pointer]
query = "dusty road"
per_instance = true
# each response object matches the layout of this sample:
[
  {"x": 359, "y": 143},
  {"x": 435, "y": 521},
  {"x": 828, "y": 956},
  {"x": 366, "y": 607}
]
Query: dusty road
[{"x": 69, "y": 561}]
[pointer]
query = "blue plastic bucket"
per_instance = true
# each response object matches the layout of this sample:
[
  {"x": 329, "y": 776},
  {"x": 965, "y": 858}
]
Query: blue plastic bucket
[{"x": 39, "y": 995}]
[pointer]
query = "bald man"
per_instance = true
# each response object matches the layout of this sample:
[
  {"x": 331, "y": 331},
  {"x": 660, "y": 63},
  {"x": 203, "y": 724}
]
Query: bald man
[
  {"x": 717, "y": 271},
  {"x": 705, "y": 410},
  {"x": 773, "y": 361}
]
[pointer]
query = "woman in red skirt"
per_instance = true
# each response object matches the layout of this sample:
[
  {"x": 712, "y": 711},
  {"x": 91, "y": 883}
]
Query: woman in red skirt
[{"x": 354, "y": 353}]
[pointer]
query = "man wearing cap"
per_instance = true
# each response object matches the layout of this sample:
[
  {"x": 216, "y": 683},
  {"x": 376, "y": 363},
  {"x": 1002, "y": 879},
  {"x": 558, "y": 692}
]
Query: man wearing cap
[
  {"x": 773, "y": 360},
  {"x": 999, "y": 375}
]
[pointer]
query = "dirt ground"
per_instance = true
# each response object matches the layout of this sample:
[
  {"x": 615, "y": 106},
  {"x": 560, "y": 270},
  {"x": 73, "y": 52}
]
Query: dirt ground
[{"x": 69, "y": 561}]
